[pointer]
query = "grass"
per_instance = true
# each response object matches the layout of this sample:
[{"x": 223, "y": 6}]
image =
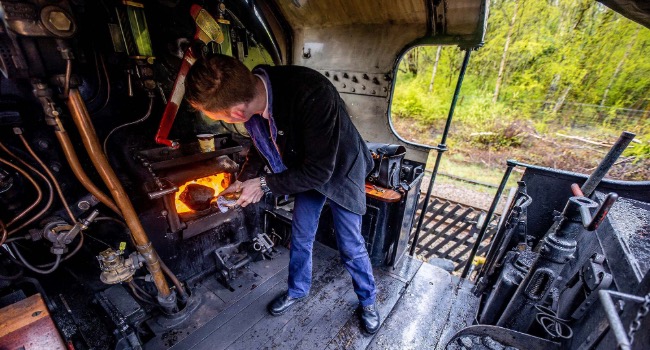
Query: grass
[{"x": 479, "y": 147}]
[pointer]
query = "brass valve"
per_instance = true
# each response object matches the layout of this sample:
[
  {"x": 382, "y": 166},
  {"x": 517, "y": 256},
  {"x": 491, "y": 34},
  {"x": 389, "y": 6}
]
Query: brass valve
[{"x": 115, "y": 268}]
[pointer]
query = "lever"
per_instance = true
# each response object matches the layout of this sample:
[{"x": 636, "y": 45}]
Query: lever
[
  {"x": 68, "y": 237},
  {"x": 207, "y": 30},
  {"x": 589, "y": 222},
  {"x": 601, "y": 212}
]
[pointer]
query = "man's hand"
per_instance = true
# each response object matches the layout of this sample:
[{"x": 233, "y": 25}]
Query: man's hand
[
  {"x": 251, "y": 191},
  {"x": 233, "y": 188}
]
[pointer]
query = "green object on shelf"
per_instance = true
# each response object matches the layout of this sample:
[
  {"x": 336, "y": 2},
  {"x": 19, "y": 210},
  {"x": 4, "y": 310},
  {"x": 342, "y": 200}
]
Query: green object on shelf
[
  {"x": 225, "y": 47},
  {"x": 139, "y": 29}
]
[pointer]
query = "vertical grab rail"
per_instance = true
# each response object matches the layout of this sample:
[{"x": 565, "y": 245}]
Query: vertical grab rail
[
  {"x": 511, "y": 164},
  {"x": 441, "y": 148}
]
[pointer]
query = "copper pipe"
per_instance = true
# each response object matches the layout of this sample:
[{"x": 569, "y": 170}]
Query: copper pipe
[
  {"x": 175, "y": 281},
  {"x": 39, "y": 193},
  {"x": 49, "y": 187},
  {"x": 49, "y": 173},
  {"x": 77, "y": 169},
  {"x": 68, "y": 75},
  {"x": 4, "y": 235},
  {"x": 82, "y": 120}
]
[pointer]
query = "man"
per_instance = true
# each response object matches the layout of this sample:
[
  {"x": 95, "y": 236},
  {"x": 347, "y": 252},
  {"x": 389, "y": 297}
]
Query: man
[{"x": 304, "y": 135}]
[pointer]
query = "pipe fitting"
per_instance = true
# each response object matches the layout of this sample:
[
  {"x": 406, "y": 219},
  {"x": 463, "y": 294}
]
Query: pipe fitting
[{"x": 115, "y": 268}]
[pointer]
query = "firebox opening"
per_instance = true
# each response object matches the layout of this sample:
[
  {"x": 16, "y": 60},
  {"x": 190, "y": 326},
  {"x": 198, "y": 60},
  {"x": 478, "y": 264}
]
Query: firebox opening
[{"x": 190, "y": 199}]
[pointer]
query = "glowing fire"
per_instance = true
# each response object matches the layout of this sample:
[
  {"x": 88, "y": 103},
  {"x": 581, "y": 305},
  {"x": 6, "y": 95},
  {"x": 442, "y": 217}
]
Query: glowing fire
[{"x": 218, "y": 182}]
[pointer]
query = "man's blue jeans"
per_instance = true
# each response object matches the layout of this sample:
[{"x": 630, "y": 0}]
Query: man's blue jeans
[{"x": 352, "y": 248}]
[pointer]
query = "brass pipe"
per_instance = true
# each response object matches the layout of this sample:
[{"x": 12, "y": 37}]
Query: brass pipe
[
  {"x": 175, "y": 281},
  {"x": 57, "y": 187},
  {"x": 68, "y": 75},
  {"x": 77, "y": 169},
  {"x": 39, "y": 192},
  {"x": 50, "y": 197},
  {"x": 82, "y": 120},
  {"x": 4, "y": 234}
]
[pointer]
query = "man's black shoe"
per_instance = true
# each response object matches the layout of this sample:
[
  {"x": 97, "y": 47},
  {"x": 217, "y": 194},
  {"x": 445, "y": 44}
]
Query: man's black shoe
[
  {"x": 370, "y": 318},
  {"x": 282, "y": 304}
]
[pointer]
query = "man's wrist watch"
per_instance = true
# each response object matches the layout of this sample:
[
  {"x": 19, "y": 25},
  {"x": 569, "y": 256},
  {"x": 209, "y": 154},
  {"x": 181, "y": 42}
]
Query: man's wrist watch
[{"x": 265, "y": 187}]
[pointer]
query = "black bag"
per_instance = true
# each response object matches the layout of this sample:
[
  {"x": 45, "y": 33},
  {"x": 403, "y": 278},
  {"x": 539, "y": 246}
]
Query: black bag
[{"x": 388, "y": 163}]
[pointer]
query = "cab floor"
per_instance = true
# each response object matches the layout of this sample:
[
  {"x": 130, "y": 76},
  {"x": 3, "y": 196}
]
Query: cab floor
[{"x": 420, "y": 306}]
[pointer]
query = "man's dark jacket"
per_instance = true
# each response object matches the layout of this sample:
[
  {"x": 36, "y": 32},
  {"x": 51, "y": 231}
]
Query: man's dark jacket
[{"x": 318, "y": 142}]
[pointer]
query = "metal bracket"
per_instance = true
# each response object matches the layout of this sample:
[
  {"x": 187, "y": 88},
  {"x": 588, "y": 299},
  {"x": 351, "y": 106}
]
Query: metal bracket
[
  {"x": 262, "y": 243},
  {"x": 594, "y": 278}
]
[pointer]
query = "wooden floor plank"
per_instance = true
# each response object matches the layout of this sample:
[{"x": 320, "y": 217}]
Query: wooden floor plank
[
  {"x": 213, "y": 311},
  {"x": 350, "y": 336},
  {"x": 414, "y": 301},
  {"x": 231, "y": 312},
  {"x": 210, "y": 306},
  {"x": 253, "y": 275},
  {"x": 330, "y": 323},
  {"x": 226, "y": 334},
  {"x": 343, "y": 309},
  {"x": 223, "y": 334},
  {"x": 283, "y": 332}
]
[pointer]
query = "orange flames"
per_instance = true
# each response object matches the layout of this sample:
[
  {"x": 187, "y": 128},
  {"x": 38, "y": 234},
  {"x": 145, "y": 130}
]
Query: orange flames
[{"x": 218, "y": 182}]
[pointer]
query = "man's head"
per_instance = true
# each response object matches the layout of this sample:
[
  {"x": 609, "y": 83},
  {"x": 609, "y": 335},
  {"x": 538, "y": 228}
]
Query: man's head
[{"x": 221, "y": 87}]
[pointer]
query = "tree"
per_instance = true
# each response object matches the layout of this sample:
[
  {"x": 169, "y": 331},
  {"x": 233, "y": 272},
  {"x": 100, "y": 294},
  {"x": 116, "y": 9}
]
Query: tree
[
  {"x": 617, "y": 71},
  {"x": 502, "y": 66},
  {"x": 412, "y": 61},
  {"x": 435, "y": 68}
]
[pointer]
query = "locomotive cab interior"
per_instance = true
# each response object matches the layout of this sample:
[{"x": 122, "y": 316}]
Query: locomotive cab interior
[{"x": 113, "y": 235}]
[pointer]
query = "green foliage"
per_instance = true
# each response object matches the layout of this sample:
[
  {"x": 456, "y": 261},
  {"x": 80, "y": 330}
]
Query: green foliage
[
  {"x": 639, "y": 151},
  {"x": 570, "y": 64}
]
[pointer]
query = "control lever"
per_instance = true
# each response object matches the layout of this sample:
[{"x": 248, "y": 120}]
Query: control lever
[
  {"x": 162, "y": 193},
  {"x": 207, "y": 30},
  {"x": 591, "y": 223},
  {"x": 68, "y": 236},
  {"x": 584, "y": 205}
]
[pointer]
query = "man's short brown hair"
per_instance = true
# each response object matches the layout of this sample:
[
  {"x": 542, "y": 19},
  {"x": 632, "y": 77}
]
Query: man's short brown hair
[{"x": 218, "y": 83}]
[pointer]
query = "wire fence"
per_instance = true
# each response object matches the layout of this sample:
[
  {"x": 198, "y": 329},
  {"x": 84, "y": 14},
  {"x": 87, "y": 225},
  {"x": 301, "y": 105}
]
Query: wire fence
[{"x": 575, "y": 114}]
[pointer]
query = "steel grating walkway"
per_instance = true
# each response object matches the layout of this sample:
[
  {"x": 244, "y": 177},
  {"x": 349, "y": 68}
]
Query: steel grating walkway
[{"x": 449, "y": 231}]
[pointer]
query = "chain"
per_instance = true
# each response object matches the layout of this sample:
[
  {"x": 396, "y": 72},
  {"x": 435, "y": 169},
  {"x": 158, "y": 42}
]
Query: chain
[{"x": 640, "y": 314}]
